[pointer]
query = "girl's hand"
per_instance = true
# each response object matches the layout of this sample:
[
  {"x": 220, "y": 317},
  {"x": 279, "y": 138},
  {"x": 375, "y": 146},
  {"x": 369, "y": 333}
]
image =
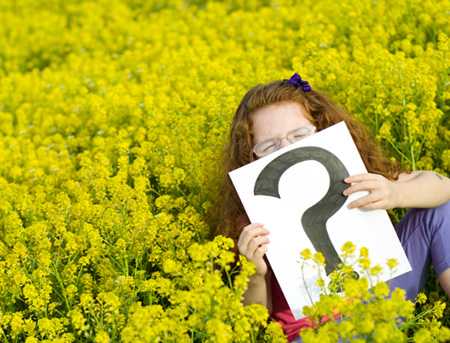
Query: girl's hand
[
  {"x": 383, "y": 192},
  {"x": 252, "y": 243}
]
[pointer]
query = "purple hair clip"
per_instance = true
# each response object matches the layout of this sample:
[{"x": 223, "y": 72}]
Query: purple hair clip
[{"x": 297, "y": 81}]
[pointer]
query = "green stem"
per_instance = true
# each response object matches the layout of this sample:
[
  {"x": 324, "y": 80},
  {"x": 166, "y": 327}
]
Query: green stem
[
  {"x": 306, "y": 286},
  {"x": 420, "y": 147},
  {"x": 125, "y": 261},
  {"x": 4, "y": 335},
  {"x": 396, "y": 149},
  {"x": 228, "y": 278},
  {"x": 369, "y": 278},
  {"x": 61, "y": 284},
  {"x": 413, "y": 161},
  {"x": 5, "y": 244},
  {"x": 413, "y": 322}
]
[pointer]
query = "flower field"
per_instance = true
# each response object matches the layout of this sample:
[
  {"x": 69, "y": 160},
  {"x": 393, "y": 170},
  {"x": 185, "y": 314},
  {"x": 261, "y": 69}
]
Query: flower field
[{"x": 113, "y": 116}]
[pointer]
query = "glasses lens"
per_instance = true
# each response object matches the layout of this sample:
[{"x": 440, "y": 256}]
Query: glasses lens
[
  {"x": 301, "y": 133},
  {"x": 265, "y": 148}
]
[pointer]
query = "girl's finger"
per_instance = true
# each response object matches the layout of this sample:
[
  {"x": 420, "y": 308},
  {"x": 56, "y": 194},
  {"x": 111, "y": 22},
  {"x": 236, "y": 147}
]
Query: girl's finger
[
  {"x": 259, "y": 252},
  {"x": 245, "y": 237},
  {"x": 366, "y": 185},
  {"x": 362, "y": 177},
  {"x": 364, "y": 200},
  {"x": 255, "y": 232},
  {"x": 375, "y": 205},
  {"x": 254, "y": 244}
]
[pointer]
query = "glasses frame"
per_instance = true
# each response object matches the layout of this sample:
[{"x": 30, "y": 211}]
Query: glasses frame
[{"x": 288, "y": 136}]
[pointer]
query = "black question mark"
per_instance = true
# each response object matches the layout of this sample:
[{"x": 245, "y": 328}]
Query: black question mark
[{"x": 314, "y": 218}]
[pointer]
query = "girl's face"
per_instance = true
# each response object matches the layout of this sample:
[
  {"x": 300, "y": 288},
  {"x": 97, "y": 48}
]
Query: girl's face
[{"x": 277, "y": 120}]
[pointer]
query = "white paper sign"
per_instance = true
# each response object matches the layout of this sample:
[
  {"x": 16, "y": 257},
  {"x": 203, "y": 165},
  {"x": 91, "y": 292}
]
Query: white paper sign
[{"x": 296, "y": 193}]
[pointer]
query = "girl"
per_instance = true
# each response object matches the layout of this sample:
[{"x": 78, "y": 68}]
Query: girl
[{"x": 273, "y": 115}]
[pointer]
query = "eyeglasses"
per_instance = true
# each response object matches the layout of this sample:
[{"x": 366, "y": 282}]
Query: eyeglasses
[{"x": 264, "y": 148}]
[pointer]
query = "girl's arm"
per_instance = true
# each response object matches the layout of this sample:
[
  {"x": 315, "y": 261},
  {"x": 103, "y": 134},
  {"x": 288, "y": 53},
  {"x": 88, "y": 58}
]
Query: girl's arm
[
  {"x": 258, "y": 291},
  {"x": 422, "y": 188}
]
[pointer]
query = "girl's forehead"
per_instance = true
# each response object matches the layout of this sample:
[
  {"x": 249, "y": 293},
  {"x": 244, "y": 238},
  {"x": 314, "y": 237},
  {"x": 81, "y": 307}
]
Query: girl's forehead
[
  {"x": 277, "y": 119},
  {"x": 279, "y": 110}
]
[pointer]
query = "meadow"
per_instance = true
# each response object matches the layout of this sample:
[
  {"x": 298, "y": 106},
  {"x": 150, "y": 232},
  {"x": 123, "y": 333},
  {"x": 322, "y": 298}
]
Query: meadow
[{"x": 113, "y": 116}]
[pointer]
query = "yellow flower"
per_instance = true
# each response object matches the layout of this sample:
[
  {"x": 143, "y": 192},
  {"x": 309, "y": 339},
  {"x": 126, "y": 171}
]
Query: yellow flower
[
  {"x": 381, "y": 289},
  {"x": 77, "y": 319},
  {"x": 392, "y": 263},
  {"x": 320, "y": 282},
  {"x": 364, "y": 252},
  {"x": 421, "y": 298},
  {"x": 319, "y": 258},
  {"x": 348, "y": 248},
  {"x": 102, "y": 337},
  {"x": 218, "y": 331},
  {"x": 376, "y": 270},
  {"x": 306, "y": 254}
]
